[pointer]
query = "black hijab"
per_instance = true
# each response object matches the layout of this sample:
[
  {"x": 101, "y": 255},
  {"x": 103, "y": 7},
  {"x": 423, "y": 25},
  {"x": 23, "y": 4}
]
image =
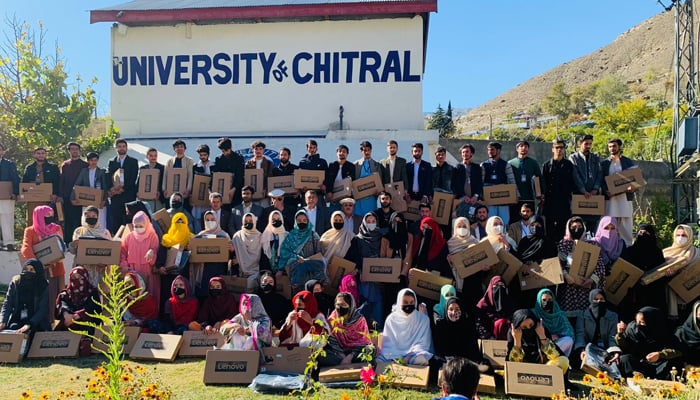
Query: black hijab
[
  {"x": 398, "y": 234},
  {"x": 32, "y": 280},
  {"x": 598, "y": 310},
  {"x": 456, "y": 338},
  {"x": 645, "y": 252},
  {"x": 530, "y": 343},
  {"x": 689, "y": 333},
  {"x": 535, "y": 246},
  {"x": 275, "y": 304},
  {"x": 650, "y": 337}
]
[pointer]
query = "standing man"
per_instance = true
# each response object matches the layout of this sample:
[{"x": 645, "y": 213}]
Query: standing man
[
  {"x": 70, "y": 169},
  {"x": 318, "y": 217},
  {"x": 152, "y": 163},
  {"x": 619, "y": 205},
  {"x": 259, "y": 161},
  {"x": 8, "y": 173},
  {"x": 202, "y": 167},
  {"x": 179, "y": 161},
  {"x": 41, "y": 171},
  {"x": 230, "y": 161},
  {"x": 588, "y": 177},
  {"x": 125, "y": 190},
  {"x": 557, "y": 186},
  {"x": 467, "y": 182},
  {"x": 442, "y": 171},
  {"x": 525, "y": 168},
  {"x": 247, "y": 206},
  {"x": 394, "y": 166},
  {"x": 96, "y": 178},
  {"x": 286, "y": 168},
  {"x": 365, "y": 167},
  {"x": 223, "y": 215},
  {"x": 419, "y": 173},
  {"x": 497, "y": 172},
  {"x": 338, "y": 170}
]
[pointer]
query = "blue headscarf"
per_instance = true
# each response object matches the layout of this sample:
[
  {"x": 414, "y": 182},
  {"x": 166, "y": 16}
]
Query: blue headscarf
[{"x": 556, "y": 321}]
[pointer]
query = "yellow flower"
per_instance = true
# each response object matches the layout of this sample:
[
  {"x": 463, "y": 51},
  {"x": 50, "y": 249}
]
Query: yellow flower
[
  {"x": 126, "y": 377},
  {"x": 92, "y": 386},
  {"x": 44, "y": 396},
  {"x": 586, "y": 379},
  {"x": 344, "y": 396},
  {"x": 600, "y": 376},
  {"x": 381, "y": 378},
  {"x": 26, "y": 395},
  {"x": 676, "y": 389},
  {"x": 367, "y": 391}
]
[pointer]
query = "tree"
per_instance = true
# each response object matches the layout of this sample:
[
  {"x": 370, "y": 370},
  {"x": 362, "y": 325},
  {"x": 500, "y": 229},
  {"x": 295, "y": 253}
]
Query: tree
[
  {"x": 442, "y": 121},
  {"x": 610, "y": 91},
  {"x": 557, "y": 101},
  {"x": 448, "y": 112}
]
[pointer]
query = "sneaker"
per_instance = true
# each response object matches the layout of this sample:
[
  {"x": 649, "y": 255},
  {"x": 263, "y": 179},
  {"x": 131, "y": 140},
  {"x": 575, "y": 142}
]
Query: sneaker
[{"x": 10, "y": 247}]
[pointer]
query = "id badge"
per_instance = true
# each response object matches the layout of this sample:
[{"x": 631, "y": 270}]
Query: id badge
[
  {"x": 494, "y": 177},
  {"x": 24, "y": 314},
  {"x": 523, "y": 178}
]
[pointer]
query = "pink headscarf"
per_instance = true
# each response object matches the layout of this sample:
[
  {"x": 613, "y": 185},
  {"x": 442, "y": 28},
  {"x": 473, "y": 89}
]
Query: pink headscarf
[
  {"x": 39, "y": 225},
  {"x": 608, "y": 240},
  {"x": 349, "y": 284},
  {"x": 142, "y": 218}
]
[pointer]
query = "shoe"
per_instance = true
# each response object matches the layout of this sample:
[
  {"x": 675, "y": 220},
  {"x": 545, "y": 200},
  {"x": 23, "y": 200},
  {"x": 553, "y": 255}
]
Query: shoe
[{"x": 10, "y": 247}]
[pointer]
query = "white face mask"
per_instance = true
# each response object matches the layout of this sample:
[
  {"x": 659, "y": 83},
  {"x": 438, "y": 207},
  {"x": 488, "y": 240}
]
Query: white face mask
[
  {"x": 681, "y": 240},
  {"x": 139, "y": 230},
  {"x": 371, "y": 227},
  {"x": 498, "y": 229},
  {"x": 454, "y": 315},
  {"x": 210, "y": 225},
  {"x": 462, "y": 231}
]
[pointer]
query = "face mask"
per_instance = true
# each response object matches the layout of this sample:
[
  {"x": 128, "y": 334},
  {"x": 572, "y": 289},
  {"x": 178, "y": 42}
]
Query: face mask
[
  {"x": 215, "y": 292},
  {"x": 599, "y": 308},
  {"x": 371, "y": 227},
  {"x": 266, "y": 287},
  {"x": 300, "y": 308},
  {"x": 211, "y": 225},
  {"x": 462, "y": 231},
  {"x": 342, "y": 311},
  {"x": 179, "y": 291},
  {"x": 408, "y": 308},
  {"x": 454, "y": 315},
  {"x": 248, "y": 225},
  {"x": 535, "y": 230},
  {"x": 547, "y": 305},
  {"x": 576, "y": 233},
  {"x": 302, "y": 225},
  {"x": 681, "y": 240},
  {"x": 338, "y": 225},
  {"x": 498, "y": 229},
  {"x": 176, "y": 204},
  {"x": 91, "y": 221},
  {"x": 276, "y": 223},
  {"x": 48, "y": 220},
  {"x": 27, "y": 277},
  {"x": 139, "y": 230}
]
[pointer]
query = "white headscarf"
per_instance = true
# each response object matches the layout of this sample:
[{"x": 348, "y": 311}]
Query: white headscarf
[
  {"x": 336, "y": 242},
  {"x": 405, "y": 334},
  {"x": 457, "y": 243},
  {"x": 494, "y": 237},
  {"x": 246, "y": 242},
  {"x": 268, "y": 233}
]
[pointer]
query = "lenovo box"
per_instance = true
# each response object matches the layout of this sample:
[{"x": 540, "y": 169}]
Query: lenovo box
[
  {"x": 410, "y": 376},
  {"x": 510, "y": 265},
  {"x": 584, "y": 260},
  {"x": 623, "y": 276},
  {"x": 342, "y": 189},
  {"x": 235, "y": 284},
  {"x": 538, "y": 276},
  {"x": 98, "y": 251},
  {"x": 367, "y": 186},
  {"x": 657, "y": 273},
  {"x": 255, "y": 178},
  {"x": 5, "y": 190},
  {"x": 618, "y": 183},
  {"x": 337, "y": 269},
  {"x": 497, "y": 195},
  {"x": 533, "y": 380},
  {"x": 474, "y": 258},
  {"x": 495, "y": 351},
  {"x": 131, "y": 333},
  {"x": 427, "y": 284},
  {"x": 200, "y": 190},
  {"x": 341, "y": 373},
  {"x": 231, "y": 366},
  {"x": 412, "y": 210},
  {"x": 12, "y": 346},
  {"x": 157, "y": 347},
  {"x": 55, "y": 344},
  {"x": 87, "y": 196},
  {"x": 163, "y": 220},
  {"x": 49, "y": 250},
  {"x": 175, "y": 180},
  {"x": 31, "y": 192},
  {"x": 284, "y": 183},
  {"x": 308, "y": 179},
  {"x": 687, "y": 283},
  {"x": 284, "y": 359},
  {"x": 381, "y": 270},
  {"x": 148, "y": 184},
  {"x": 173, "y": 258},
  {"x": 203, "y": 250},
  {"x": 197, "y": 343},
  {"x": 398, "y": 202},
  {"x": 594, "y": 205},
  {"x": 442, "y": 207},
  {"x": 221, "y": 183}
]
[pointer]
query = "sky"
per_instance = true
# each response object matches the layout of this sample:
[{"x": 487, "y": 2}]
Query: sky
[{"x": 476, "y": 49}]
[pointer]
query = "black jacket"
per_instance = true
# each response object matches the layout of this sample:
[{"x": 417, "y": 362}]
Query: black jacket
[
  {"x": 131, "y": 172},
  {"x": 51, "y": 175},
  {"x": 8, "y": 173}
]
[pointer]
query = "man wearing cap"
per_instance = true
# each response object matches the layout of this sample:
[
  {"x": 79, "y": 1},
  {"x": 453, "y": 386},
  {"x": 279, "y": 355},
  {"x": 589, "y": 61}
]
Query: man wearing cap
[
  {"x": 70, "y": 169},
  {"x": 525, "y": 168},
  {"x": 232, "y": 162},
  {"x": 8, "y": 173},
  {"x": 352, "y": 221},
  {"x": 247, "y": 206},
  {"x": 96, "y": 178},
  {"x": 277, "y": 198}
]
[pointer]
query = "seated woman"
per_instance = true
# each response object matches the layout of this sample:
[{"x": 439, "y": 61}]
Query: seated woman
[
  {"x": 494, "y": 310},
  {"x": 179, "y": 235},
  {"x": 144, "y": 312},
  {"x": 251, "y": 328},
  {"x": 611, "y": 245},
  {"x": 217, "y": 307},
  {"x": 271, "y": 242},
  {"x": 90, "y": 230},
  {"x": 279, "y": 306},
  {"x": 679, "y": 255},
  {"x": 301, "y": 243},
  {"x": 138, "y": 253},
  {"x": 202, "y": 273},
  {"x": 554, "y": 320},
  {"x": 177, "y": 207},
  {"x": 324, "y": 301},
  {"x": 246, "y": 245},
  {"x": 368, "y": 243},
  {"x": 78, "y": 300},
  {"x": 529, "y": 341},
  {"x": 305, "y": 319},
  {"x": 688, "y": 336},
  {"x": 26, "y": 305},
  {"x": 430, "y": 249},
  {"x": 497, "y": 235},
  {"x": 646, "y": 255},
  {"x": 536, "y": 246},
  {"x": 181, "y": 307},
  {"x": 455, "y": 335},
  {"x": 595, "y": 333},
  {"x": 336, "y": 241},
  {"x": 406, "y": 333},
  {"x": 440, "y": 309},
  {"x": 647, "y": 346},
  {"x": 349, "y": 337}
]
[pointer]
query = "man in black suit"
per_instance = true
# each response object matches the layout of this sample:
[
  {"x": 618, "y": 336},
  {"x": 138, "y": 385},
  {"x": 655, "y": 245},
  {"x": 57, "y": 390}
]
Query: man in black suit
[
  {"x": 70, "y": 169},
  {"x": 420, "y": 175},
  {"x": 318, "y": 216},
  {"x": 338, "y": 170},
  {"x": 230, "y": 161},
  {"x": 8, "y": 173},
  {"x": 41, "y": 171},
  {"x": 223, "y": 215},
  {"x": 278, "y": 203},
  {"x": 123, "y": 191},
  {"x": 246, "y": 206}
]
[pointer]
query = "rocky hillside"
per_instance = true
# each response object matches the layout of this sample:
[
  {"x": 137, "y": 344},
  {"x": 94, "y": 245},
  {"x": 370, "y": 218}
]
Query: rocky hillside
[{"x": 641, "y": 56}]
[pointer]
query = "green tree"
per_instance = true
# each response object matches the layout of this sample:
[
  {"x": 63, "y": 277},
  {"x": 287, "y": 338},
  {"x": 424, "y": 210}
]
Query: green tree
[
  {"x": 442, "y": 122},
  {"x": 558, "y": 101},
  {"x": 610, "y": 90}
]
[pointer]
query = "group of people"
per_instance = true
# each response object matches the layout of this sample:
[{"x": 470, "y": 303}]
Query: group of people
[{"x": 286, "y": 241}]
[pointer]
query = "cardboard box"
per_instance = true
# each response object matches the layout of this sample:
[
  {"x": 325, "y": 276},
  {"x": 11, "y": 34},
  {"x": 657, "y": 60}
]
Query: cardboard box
[
  {"x": 471, "y": 260},
  {"x": 497, "y": 195},
  {"x": 539, "y": 276},
  {"x": 412, "y": 211},
  {"x": 495, "y": 351},
  {"x": 50, "y": 250},
  {"x": 163, "y": 220},
  {"x": 594, "y": 205},
  {"x": 623, "y": 276},
  {"x": 231, "y": 366},
  {"x": 341, "y": 373},
  {"x": 537, "y": 186},
  {"x": 308, "y": 179},
  {"x": 533, "y": 380},
  {"x": 284, "y": 287},
  {"x": 221, "y": 183},
  {"x": 87, "y": 196},
  {"x": 12, "y": 347},
  {"x": 510, "y": 265},
  {"x": 175, "y": 180},
  {"x": 381, "y": 270},
  {"x": 487, "y": 384},
  {"x": 255, "y": 177},
  {"x": 59, "y": 211},
  {"x": 200, "y": 190},
  {"x": 342, "y": 189},
  {"x": 31, "y": 192},
  {"x": 203, "y": 250},
  {"x": 118, "y": 179},
  {"x": 410, "y": 376},
  {"x": 367, "y": 186},
  {"x": 291, "y": 360},
  {"x": 5, "y": 190},
  {"x": 427, "y": 284},
  {"x": 660, "y": 272},
  {"x": 54, "y": 344},
  {"x": 687, "y": 283},
  {"x": 442, "y": 207},
  {"x": 398, "y": 202},
  {"x": 132, "y": 334},
  {"x": 98, "y": 251},
  {"x": 284, "y": 183},
  {"x": 148, "y": 184},
  {"x": 173, "y": 258},
  {"x": 158, "y": 347},
  {"x": 584, "y": 260},
  {"x": 197, "y": 343},
  {"x": 235, "y": 284},
  {"x": 618, "y": 183},
  {"x": 336, "y": 270}
]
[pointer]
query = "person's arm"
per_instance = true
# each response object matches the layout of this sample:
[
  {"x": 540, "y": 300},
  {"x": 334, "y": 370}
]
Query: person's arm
[
  {"x": 7, "y": 304},
  {"x": 28, "y": 241},
  {"x": 580, "y": 340},
  {"x": 41, "y": 312}
]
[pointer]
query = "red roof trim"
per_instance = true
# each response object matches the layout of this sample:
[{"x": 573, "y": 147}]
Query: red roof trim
[{"x": 269, "y": 12}]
